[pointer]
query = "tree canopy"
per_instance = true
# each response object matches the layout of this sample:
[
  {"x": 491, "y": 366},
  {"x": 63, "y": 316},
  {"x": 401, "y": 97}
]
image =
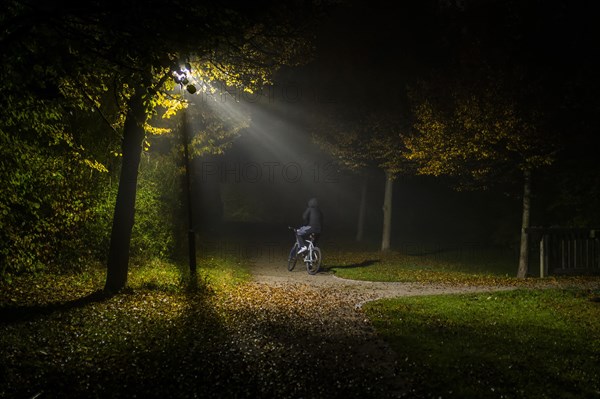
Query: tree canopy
[
  {"x": 480, "y": 131},
  {"x": 122, "y": 60}
]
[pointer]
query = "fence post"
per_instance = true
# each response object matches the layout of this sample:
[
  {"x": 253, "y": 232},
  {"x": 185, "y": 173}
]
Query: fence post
[{"x": 544, "y": 256}]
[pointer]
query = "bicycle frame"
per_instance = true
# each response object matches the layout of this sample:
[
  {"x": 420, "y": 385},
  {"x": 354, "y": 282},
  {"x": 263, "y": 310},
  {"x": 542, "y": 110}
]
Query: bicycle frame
[
  {"x": 311, "y": 257},
  {"x": 310, "y": 248}
]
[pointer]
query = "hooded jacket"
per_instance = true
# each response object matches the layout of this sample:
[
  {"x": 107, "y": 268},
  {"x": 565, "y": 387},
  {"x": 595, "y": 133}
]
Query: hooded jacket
[{"x": 313, "y": 216}]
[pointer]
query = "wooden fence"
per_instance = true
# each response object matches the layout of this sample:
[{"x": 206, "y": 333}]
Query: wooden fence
[{"x": 567, "y": 250}]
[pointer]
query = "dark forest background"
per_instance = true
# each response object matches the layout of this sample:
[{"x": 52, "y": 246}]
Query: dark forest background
[{"x": 60, "y": 159}]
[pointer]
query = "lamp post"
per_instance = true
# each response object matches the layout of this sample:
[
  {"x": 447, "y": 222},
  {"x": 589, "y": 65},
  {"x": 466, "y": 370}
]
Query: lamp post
[{"x": 188, "y": 190}]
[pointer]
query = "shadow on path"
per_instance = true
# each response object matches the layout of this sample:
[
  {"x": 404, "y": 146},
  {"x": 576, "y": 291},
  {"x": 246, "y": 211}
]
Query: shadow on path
[
  {"x": 364, "y": 263},
  {"x": 11, "y": 314}
]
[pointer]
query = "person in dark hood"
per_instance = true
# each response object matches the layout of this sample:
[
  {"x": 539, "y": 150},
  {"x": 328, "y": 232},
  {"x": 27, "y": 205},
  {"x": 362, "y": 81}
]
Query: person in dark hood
[{"x": 313, "y": 223}]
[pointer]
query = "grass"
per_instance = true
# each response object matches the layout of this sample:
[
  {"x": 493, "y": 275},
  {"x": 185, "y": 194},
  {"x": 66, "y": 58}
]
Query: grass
[
  {"x": 59, "y": 338},
  {"x": 147, "y": 275},
  {"x": 481, "y": 266},
  {"x": 526, "y": 343},
  {"x": 218, "y": 273},
  {"x": 488, "y": 267},
  {"x": 517, "y": 344}
]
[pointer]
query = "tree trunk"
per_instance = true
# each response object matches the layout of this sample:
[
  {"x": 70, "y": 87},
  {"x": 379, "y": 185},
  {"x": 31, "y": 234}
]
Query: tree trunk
[
  {"x": 524, "y": 249},
  {"x": 362, "y": 209},
  {"x": 120, "y": 239},
  {"x": 387, "y": 212}
]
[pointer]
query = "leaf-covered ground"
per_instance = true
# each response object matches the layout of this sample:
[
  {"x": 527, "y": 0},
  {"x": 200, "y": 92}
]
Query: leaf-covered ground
[
  {"x": 60, "y": 338},
  {"x": 300, "y": 337}
]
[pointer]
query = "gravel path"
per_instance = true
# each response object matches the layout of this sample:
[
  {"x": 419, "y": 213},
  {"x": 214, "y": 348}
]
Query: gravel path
[
  {"x": 274, "y": 272},
  {"x": 316, "y": 323}
]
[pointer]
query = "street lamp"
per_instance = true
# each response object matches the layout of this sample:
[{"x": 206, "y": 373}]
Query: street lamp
[{"x": 182, "y": 77}]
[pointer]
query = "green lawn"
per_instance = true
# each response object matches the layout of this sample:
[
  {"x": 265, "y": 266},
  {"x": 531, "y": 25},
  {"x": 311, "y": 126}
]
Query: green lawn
[
  {"x": 475, "y": 266},
  {"x": 516, "y": 344},
  {"x": 526, "y": 343}
]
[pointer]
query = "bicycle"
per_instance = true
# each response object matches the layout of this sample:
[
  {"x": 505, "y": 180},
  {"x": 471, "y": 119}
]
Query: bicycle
[{"x": 312, "y": 255}]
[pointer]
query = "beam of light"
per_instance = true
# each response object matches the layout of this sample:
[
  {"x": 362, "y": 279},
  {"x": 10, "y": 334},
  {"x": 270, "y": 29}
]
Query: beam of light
[{"x": 277, "y": 146}]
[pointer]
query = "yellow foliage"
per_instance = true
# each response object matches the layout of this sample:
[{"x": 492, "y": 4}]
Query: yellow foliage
[
  {"x": 157, "y": 131},
  {"x": 473, "y": 132},
  {"x": 95, "y": 165}
]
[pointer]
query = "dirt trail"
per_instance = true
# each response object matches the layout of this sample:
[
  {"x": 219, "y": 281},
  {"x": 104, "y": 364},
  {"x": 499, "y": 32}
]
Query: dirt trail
[
  {"x": 291, "y": 304},
  {"x": 316, "y": 324},
  {"x": 274, "y": 272}
]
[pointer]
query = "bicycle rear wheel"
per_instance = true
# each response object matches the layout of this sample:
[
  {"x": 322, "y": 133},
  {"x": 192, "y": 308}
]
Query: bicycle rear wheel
[
  {"x": 293, "y": 258},
  {"x": 313, "y": 266}
]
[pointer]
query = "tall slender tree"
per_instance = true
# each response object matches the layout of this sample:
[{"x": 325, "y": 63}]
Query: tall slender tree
[
  {"x": 386, "y": 147},
  {"x": 375, "y": 140},
  {"x": 343, "y": 139},
  {"x": 481, "y": 133}
]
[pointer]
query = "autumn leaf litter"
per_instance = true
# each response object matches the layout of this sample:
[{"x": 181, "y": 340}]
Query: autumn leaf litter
[{"x": 284, "y": 334}]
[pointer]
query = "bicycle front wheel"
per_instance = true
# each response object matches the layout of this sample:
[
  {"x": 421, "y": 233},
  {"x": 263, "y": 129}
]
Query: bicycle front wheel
[
  {"x": 293, "y": 258},
  {"x": 313, "y": 265}
]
